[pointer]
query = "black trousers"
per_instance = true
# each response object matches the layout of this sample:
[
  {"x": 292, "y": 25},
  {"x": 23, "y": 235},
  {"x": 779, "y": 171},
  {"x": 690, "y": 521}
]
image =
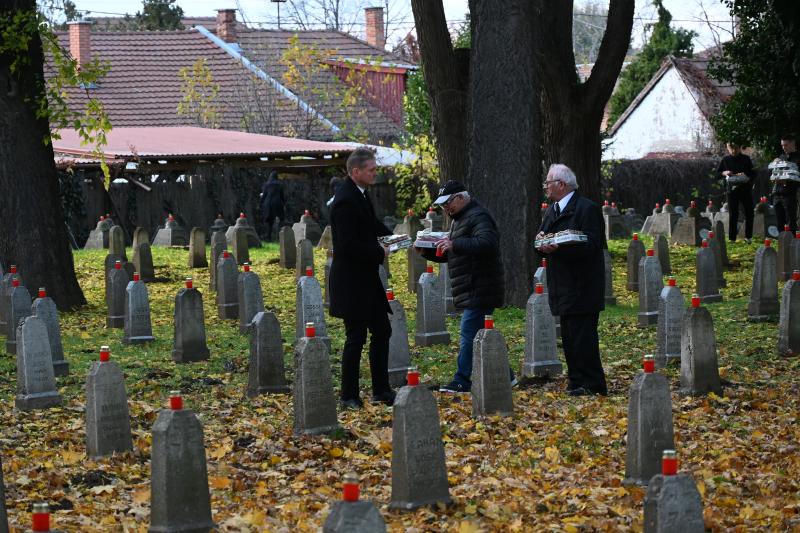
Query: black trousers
[
  {"x": 356, "y": 336},
  {"x": 744, "y": 196},
  {"x": 582, "y": 351},
  {"x": 786, "y": 211}
]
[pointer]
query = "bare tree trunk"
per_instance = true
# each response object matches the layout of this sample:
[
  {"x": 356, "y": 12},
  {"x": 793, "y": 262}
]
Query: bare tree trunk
[
  {"x": 32, "y": 231},
  {"x": 504, "y": 156}
]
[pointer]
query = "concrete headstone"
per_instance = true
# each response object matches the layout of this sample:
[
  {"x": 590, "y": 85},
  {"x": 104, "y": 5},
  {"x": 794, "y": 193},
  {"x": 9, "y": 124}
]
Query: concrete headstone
[
  {"x": 108, "y": 421},
  {"x": 328, "y": 265},
  {"x": 288, "y": 248},
  {"x": 197, "y": 248},
  {"x": 430, "y": 324},
  {"x": 116, "y": 242},
  {"x": 239, "y": 246},
  {"x": 314, "y": 402},
  {"x": 491, "y": 380},
  {"x": 309, "y": 308},
  {"x": 140, "y": 235},
  {"x": 673, "y": 504},
  {"x": 541, "y": 354},
  {"x": 449, "y": 305},
  {"x": 785, "y": 239},
  {"x": 763, "y": 305},
  {"x": 172, "y": 234},
  {"x": 252, "y": 237},
  {"x": 650, "y": 285},
  {"x": 416, "y": 267},
  {"x": 19, "y": 307},
  {"x": 138, "y": 327},
  {"x": 267, "y": 373},
  {"x": 608, "y": 265},
  {"x": 307, "y": 228},
  {"x": 143, "y": 262},
  {"x": 326, "y": 240},
  {"x": 250, "y": 297},
  {"x": 36, "y": 383},
  {"x": 189, "y": 340},
  {"x": 699, "y": 368},
  {"x": 227, "y": 294},
  {"x": 399, "y": 352},
  {"x": 98, "y": 237},
  {"x": 218, "y": 245},
  {"x": 789, "y": 324},
  {"x": 661, "y": 247},
  {"x": 671, "y": 308},
  {"x": 635, "y": 254},
  {"x": 719, "y": 234},
  {"x": 304, "y": 258},
  {"x": 707, "y": 281},
  {"x": 115, "y": 296},
  {"x": 351, "y": 515},
  {"x": 713, "y": 243},
  {"x": 45, "y": 309}
]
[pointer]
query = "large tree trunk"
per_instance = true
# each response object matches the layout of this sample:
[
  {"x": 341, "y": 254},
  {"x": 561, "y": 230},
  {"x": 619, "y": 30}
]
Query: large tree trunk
[
  {"x": 32, "y": 231},
  {"x": 444, "y": 76},
  {"x": 505, "y": 162}
]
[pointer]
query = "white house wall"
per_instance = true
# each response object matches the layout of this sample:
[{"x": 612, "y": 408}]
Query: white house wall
[{"x": 666, "y": 120}]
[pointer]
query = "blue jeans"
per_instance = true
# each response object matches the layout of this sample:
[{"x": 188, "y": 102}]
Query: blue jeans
[{"x": 471, "y": 322}]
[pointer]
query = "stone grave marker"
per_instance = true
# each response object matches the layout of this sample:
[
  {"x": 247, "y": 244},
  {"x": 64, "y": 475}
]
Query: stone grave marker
[
  {"x": 634, "y": 220},
  {"x": 699, "y": 370},
  {"x": 608, "y": 264},
  {"x": 672, "y": 502},
  {"x": 326, "y": 239},
  {"x": 687, "y": 230},
  {"x": 351, "y": 515},
  {"x": 266, "y": 373},
  {"x": 661, "y": 248},
  {"x": 309, "y": 308},
  {"x": 305, "y": 258},
  {"x": 115, "y": 296},
  {"x": 143, "y": 262},
  {"x": 789, "y": 324},
  {"x": 3, "y": 513},
  {"x": 179, "y": 495},
  {"x": 541, "y": 354},
  {"x": 670, "y": 324},
  {"x": 288, "y": 248},
  {"x": 250, "y": 297},
  {"x": 650, "y": 285},
  {"x": 416, "y": 267},
  {"x": 431, "y": 326},
  {"x": 540, "y": 276},
  {"x": 449, "y": 304},
  {"x": 491, "y": 382},
  {"x": 5, "y": 289},
  {"x": 218, "y": 225},
  {"x": 710, "y": 212},
  {"x": 116, "y": 242},
  {"x": 45, "y": 309},
  {"x": 137, "y": 326},
  {"x": 314, "y": 402},
  {"x": 36, "y": 383},
  {"x": 719, "y": 235},
  {"x": 761, "y": 219},
  {"x": 98, "y": 237},
  {"x": 108, "y": 422},
  {"x": 253, "y": 241},
  {"x": 706, "y": 274},
  {"x": 381, "y": 274},
  {"x": 307, "y": 228},
  {"x": 784, "y": 254},
  {"x": 172, "y": 234},
  {"x": 615, "y": 226},
  {"x": 419, "y": 471},
  {"x": 635, "y": 254},
  {"x": 218, "y": 245},
  {"x": 713, "y": 243},
  {"x": 399, "y": 352},
  {"x": 189, "y": 340},
  {"x": 140, "y": 235},
  {"x": 328, "y": 265},
  {"x": 648, "y": 222},
  {"x": 649, "y": 424},
  {"x": 410, "y": 225},
  {"x": 432, "y": 220},
  {"x": 19, "y": 307},
  {"x": 227, "y": 296},
  {"x": 763, "y": 305},
  {"x": 239, "y": 246},
  {"x": 197, "y": 248},
  {"x": 664, "y": 222}
]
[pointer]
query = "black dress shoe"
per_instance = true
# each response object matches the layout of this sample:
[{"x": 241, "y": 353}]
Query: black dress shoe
[
  {"x": 385, "y": 397},
  {"x": 579, "y": 391},
  {"x": 352, "y": 403}
]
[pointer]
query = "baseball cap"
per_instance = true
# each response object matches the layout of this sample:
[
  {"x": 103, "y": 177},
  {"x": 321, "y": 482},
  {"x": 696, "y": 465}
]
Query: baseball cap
[{"x": 450, "y": 188}]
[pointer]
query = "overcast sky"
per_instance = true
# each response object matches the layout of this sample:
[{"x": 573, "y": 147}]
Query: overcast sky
[{"x": 686, "y": 13}]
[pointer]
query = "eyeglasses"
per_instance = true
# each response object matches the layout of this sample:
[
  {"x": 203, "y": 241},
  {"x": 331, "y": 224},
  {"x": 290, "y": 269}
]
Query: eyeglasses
[
  {"x": 450, "y": 200},
  {"x": 546, "y": 183}
]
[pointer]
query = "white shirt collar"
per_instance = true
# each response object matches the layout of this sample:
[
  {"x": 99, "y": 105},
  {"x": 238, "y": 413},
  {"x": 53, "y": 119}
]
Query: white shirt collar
[
  {"x": 562, "y": 204},
  {"x": 360, "y": 188}
]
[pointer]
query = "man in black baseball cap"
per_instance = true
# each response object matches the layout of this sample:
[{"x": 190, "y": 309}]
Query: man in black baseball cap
[{"x": 450, "y": 188}]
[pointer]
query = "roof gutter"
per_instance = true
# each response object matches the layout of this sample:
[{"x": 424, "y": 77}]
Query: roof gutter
[{"x": 231, "y": 51}]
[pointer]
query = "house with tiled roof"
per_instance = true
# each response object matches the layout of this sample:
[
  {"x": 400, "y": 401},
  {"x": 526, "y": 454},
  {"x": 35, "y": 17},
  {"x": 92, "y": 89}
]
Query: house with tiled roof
[
  {"x": 672, "y": 114},
  {"x": 353, "y": 90}
]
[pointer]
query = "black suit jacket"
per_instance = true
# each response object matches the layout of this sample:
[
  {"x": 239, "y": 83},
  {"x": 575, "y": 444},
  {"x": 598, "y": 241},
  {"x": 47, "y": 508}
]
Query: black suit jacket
[
  {"x": 356, "y": 289},
  {"x": 576, "y": 272}
]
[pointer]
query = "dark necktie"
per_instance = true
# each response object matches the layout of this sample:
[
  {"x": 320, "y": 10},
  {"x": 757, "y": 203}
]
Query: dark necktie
[{"x": 558, "y": 209}]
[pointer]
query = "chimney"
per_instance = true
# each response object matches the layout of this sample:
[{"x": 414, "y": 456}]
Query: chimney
[
  {"x": 376, "y": 33},
  {"x": 80, "y": 40},
  {"x": 226, "y": 25}
]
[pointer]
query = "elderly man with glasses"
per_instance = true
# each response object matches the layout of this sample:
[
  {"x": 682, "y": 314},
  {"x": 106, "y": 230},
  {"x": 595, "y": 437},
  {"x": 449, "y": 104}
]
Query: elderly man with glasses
[{"x": 575, "y": 277}]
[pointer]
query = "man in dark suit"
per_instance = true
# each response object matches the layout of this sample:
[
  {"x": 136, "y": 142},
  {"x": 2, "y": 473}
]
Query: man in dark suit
[
  {"x": 575, "y": 277},
  {"x": 357, "y": 295}
]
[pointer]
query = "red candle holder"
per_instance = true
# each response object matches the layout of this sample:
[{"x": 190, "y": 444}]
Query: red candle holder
[
  {"x": 671, "y": 281},
  {"x": 15, "y": 282},
  {"x": 40, "y": 517},
  {"x": 105, "y": 354},
  {"x": 350, "y": 489},
  {"x": 488, "y": 322},
  {"x": 42, "y": 292},
  {"x": 667, "y": 201},
  {"x": 13, "y": 269},
  {"x": 669, "y": 463},
  {"x": 117, "y": 265},
  {"x": 242, "y": 215},
  {"x": 658, "y": 205},
  {"x": 649, "y": 364},
  {"x": 439, "y": 252},
  {"x": 695, "y": 300},
  {"x": 544, "y": 263},
  {"x": 635, "y": 236},
  {"x": 246, "y": 267},
  {"x": 410, "y": 212},
  {"x": 540, "y": 288},
  {"x": 390, "y": 294},
  {"x": 306, "y": 213},
  {"x": 796, "y": 275},
  {"x": 614, "y": 205},
  {"x": 429, "y": 268},
  {"x": 797, "y": 234},
  {"x": 692, "y": 204},
  {"x": 605, "y": 202},
  {"x": 705, "y": 243},
  {"x": 225, "y": 254},
  {"x": 412, "y": 377},
  {"x": 170, "y": 217},
  {"x": 544, "y": 205},
  {"x": 311, "y": 331},
  {"x": 767, "y": 243},
  {"x": 175, "y": 400},
  {"x": 430, "y": 209},
  {"x": 651, "y": 252},
  {"x": 710, "y": 234},
  {"x": 189, "y": 283},
  {"x": 786, "y": 227},
  {"x": 309, "y": 271}
]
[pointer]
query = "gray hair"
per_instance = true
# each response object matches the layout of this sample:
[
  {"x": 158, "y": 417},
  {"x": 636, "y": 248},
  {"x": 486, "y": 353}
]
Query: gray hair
[
  {"x": 359, "y": 157},
  {"x": 463, "y": 194},
  {"x": 563, "y": 173}
]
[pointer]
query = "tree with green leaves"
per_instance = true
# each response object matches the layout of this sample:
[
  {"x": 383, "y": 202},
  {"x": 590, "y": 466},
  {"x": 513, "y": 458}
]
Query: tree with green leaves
[
  {"x": 764, "y": 64},
  {"x": 158, "y": 15},
  {"x": 663, "y": 41}
]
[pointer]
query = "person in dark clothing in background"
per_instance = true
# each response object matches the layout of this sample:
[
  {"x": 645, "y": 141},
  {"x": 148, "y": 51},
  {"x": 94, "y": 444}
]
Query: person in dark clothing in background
[
  {"x": 738, "y": 164},
  {"x": 784, "y": 192},
  {"x": 273, "y": 200}
]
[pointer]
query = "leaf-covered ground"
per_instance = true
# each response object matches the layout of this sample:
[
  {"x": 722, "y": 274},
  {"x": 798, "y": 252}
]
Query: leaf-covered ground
[{"x": 556, "y": 465}]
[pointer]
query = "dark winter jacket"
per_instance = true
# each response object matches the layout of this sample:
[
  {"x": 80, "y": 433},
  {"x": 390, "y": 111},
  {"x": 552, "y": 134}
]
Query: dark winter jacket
[
  {"x": 576, "y": 272},
  {"x": 272, "y": 198},
  {"x": 787, "y": 187},
  {"x": 737, "y": 164},
  {"x": 474, "y": 263}
]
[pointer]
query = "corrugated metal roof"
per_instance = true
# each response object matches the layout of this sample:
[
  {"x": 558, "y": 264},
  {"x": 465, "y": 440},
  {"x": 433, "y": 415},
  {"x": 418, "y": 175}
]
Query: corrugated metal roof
[{"x": 185, "y": 142}]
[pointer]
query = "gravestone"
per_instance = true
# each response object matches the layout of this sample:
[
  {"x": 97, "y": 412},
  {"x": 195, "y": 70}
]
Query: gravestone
[
  {"x": 432, "y": 220},
  {"x": 431, "y": 326},
  {"x": 5, "y": 289},
  {"x": 143, "y": 262},
  {"x": 634, "y": 220},
  {"x": 179, "y": 495},
  {"x": 416, "y": 267},
  {"x": 305, "y": 258},
  {"x": 115, "y": 296},
  {"x": 326, "y": 240},
  {"x": 540, "y": 276},
  {"x": 449, "y": 303},
  {"x": 172, "y": 234},
  {"x": 197, "y": 248},
  {"x": 266, "y": 372},
  {"x": 138, "y": 328},
  {"x": 36, "y": 383},
  {"x": 239, "y": 246},
  {"x": 789, "y": 324},
  {"x": 351, "y": 515},
  {"x": 724, "y": 218},
  {"x": 253, "y": 241},
  {"x": 309, "y": 308},
  {"x": 227, "y": 295},
  {"x": 687, "y": 230},
  {"x": 699, "y": 370},
  {"x": 763, "y": 305},
  {"x": 116, "y": 242},
  {"x": 648, "y": 222},
  {"x": 307, "y": 228},
  {"x": 140, "y": 235},
  {"x": 419, "y": 471},
  {"x": 615, "y": 226},
  {"x": 794, "y": 252},
  {"x": 399, "y": 352},
  {"x": 189, "y": 340},
  {"x": 314, "y": 402},
  {"x": 288, "y": 248},
  {"x": 98, "y": 237},
  {"x": 719, "y": 235},
  {"x": 760, "y": 219},
  {"x": 491, "y": 382},
  {"x": 650, "y": 285},
  {"x": 19, "y": 307},
  {"x": 381, "y": 274},
  {"x": 608, "y": 265},
  {"x": 410, "y": 225},
  {"x": 673, "y": 504},
  {"x": 649, "y": 424},
  {"x": 3, "y": 513},
  {"x": 661, "y": 248},
  {"x": 250, "y": 297},
  {"x": 710, "y": 212},
  {"x": 218, "y": 245},
  {"x": 713, "y": 243},
  {"x": 218, "y": 225},
  {"x": 635, "y": 254},
  {"x": 44, "y": 308},
  {"x": 328, "y": 265},
  {"x": 670, "y": 324},
  {"x": 706, "y": 274},
  {"x": 665, "y": 221},
  {"x": 541, "y": 355},
  {"x": 784, "y": 254},
  {"x": 108, "y": 421}
]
